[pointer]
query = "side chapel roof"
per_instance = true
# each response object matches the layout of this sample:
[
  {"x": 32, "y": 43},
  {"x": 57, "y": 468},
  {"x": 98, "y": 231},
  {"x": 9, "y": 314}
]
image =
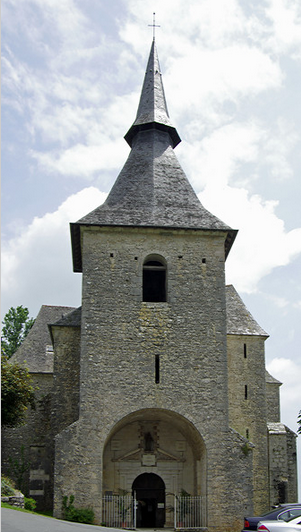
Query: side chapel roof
[
  {"x": 239, "y": 319},
  {"x": 269, "y": 379},
  {"x": 151, "y": 190},
  {"x": 36, "y": 349}
]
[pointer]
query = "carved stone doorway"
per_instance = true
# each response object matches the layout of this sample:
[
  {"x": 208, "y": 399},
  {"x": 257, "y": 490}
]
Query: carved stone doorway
[{"x": 150, "y": 495}]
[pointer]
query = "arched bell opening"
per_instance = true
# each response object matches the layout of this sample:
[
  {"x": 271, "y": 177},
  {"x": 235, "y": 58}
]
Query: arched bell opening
[{"x": 154, "y": 279}]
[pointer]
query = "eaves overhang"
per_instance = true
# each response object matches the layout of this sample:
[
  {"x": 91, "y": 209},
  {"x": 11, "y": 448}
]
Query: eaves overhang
[
  {"x": 136, "y": 128},
  {"x": 75, "y": 230}
]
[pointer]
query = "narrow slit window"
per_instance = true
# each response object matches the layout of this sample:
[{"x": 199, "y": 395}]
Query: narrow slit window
[
  {"x": 245, "y": 350},
  {"x": 154, "y": 281},
  {"x": 157, "y": 369},
  {"x": 246, "y": 391}
]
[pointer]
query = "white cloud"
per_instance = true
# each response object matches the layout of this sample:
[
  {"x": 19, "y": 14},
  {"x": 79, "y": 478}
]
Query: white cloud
[
  {"x": 217, "y": 158},
  {"x": 285, "y": 16},
  {"x": 83, "y": 161},
  {"x": 63, "y": 22},
  {"x": 37, "y": 264},
  {"x": 213, "y": 21},
  {"x": 279, "y": 302},
  {"x": 229, "y": 73},
  {"x": 217, "y": 164},
  {"x": 218, "y": 53},
  {"x": 277, "y": 147},
  {"x": 262, "y": 243}
]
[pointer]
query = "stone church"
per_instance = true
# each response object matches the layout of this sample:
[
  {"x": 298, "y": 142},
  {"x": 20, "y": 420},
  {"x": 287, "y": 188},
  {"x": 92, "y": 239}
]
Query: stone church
[{"x": 156, "y": 385}]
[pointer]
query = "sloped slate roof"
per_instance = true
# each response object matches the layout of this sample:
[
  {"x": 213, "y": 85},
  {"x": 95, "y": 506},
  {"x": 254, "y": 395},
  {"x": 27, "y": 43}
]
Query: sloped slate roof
[
  {"x": 270, "y": 379},
  {"x": 36, "y": 349},
  {"x": 239, "y": 319},
  {"x": 72, "y": 319},
  {"x": 151, "y": 190},
  {"x": 152, "y": 106},
  {"x": 276, "y": 428}
]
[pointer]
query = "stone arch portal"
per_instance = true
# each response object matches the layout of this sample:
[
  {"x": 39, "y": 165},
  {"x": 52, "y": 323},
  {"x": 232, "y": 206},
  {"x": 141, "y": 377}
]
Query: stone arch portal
[{"x": 157, "y": 453}]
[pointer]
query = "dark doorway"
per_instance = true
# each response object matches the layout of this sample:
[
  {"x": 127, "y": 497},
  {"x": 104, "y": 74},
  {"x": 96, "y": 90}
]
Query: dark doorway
[{"x": 150, "y": 495}]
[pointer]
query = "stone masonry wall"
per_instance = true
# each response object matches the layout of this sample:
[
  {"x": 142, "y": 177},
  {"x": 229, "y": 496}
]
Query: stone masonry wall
[
  {"x": 282, "y": 464},
  {"x": 66, "y": 376},
  {"x": 121, "y": 336},
  {"x": 273, "y": 402},
  {"x": 292, "y": 465},
  {"x": 247, "y": 411},
  {"x": 29, "y": 447},
  {"x": 278, "y": 466}
]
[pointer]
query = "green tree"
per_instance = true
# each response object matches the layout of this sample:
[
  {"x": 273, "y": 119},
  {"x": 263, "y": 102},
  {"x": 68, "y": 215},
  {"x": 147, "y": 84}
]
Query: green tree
[
  {"x": 16, "y": 326},
  {"x": 17, "y": 393}
]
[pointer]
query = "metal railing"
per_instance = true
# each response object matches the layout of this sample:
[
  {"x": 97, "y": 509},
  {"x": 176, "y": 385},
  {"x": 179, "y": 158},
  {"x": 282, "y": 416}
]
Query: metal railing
[
  {"x": 119, "y": 511},
  {"x": 189, "y": 511}
]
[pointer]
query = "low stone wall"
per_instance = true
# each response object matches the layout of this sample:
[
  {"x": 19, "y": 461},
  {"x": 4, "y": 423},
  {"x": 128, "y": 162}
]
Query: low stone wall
[{"x": 15, "y": 500}]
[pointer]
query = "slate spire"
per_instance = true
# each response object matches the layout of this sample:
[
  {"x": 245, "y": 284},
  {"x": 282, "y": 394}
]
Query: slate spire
[
  {"x": 152, "y": 189},
  {"x": 152, "y": 110}
]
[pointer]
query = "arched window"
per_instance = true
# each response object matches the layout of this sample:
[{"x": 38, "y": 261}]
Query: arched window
[{"x": 154, "y": 279}]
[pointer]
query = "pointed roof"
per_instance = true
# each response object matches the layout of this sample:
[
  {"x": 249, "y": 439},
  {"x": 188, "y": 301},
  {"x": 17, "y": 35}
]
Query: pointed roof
[
  {"x": 239, "y": 319},
  {"x": 152, "y": 107},
  {"x": 36, "y": 351},
  {"x": 151, "y": 190}
]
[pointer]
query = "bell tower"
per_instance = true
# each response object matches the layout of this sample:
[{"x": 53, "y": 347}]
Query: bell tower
[{"x": 153, "y": 406}]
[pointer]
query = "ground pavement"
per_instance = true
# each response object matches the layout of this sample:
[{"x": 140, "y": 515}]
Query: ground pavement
[{"x": 14, "y": 521}]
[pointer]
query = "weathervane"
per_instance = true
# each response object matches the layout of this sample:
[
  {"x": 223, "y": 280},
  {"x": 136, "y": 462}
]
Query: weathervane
[{"x": 154, "y": 25}]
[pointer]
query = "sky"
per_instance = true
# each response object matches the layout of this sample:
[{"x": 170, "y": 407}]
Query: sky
[{"x": 72, "y": 73}]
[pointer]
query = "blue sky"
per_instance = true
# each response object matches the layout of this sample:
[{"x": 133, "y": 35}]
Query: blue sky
[{"x": 71, "y": 78}]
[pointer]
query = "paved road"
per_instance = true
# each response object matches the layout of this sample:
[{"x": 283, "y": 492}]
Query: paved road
[{"x": 14, "y": 521}]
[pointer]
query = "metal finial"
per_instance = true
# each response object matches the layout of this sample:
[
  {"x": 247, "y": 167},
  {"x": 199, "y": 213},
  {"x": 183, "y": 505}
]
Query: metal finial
[{"x": 154, "y": 25}]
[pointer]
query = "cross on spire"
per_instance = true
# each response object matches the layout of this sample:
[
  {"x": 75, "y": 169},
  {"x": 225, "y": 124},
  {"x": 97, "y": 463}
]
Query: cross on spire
[{"x": 154, "y": 25}]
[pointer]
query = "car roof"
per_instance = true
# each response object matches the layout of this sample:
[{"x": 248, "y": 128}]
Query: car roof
[
  {"x": 285, "y": 504},
  {"x": 292, "y": 520}
]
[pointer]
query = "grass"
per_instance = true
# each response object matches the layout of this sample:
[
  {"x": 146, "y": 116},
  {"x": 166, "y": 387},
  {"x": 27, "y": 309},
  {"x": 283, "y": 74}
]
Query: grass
[{"x": 45, "y": 513}]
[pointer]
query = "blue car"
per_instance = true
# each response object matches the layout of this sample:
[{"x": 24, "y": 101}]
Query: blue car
[{"x": 283, "y": 512}]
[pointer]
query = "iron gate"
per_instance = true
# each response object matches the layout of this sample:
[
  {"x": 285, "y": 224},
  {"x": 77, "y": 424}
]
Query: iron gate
[
  {"x": 189, "y": 511},
  {"x": 119, "y": 511}
]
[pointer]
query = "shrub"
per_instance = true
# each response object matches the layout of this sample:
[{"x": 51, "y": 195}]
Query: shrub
[
  {"x": 78, "y": 515},
  {"x": 17, "y": 393},
  {"x": 7, "y": 487},
  {"x": 30, "y": 504}
]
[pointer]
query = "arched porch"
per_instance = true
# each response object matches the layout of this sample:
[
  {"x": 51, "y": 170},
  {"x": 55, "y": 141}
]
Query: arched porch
[{"x": 155, "y": 455}]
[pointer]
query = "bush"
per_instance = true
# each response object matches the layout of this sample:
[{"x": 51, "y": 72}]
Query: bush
[
  {"x": 17, "y": 393},
  {"x": 7, "y": 487},
  {"x": 78, "y": 515},
  {"x": 30, "y": 504}
]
